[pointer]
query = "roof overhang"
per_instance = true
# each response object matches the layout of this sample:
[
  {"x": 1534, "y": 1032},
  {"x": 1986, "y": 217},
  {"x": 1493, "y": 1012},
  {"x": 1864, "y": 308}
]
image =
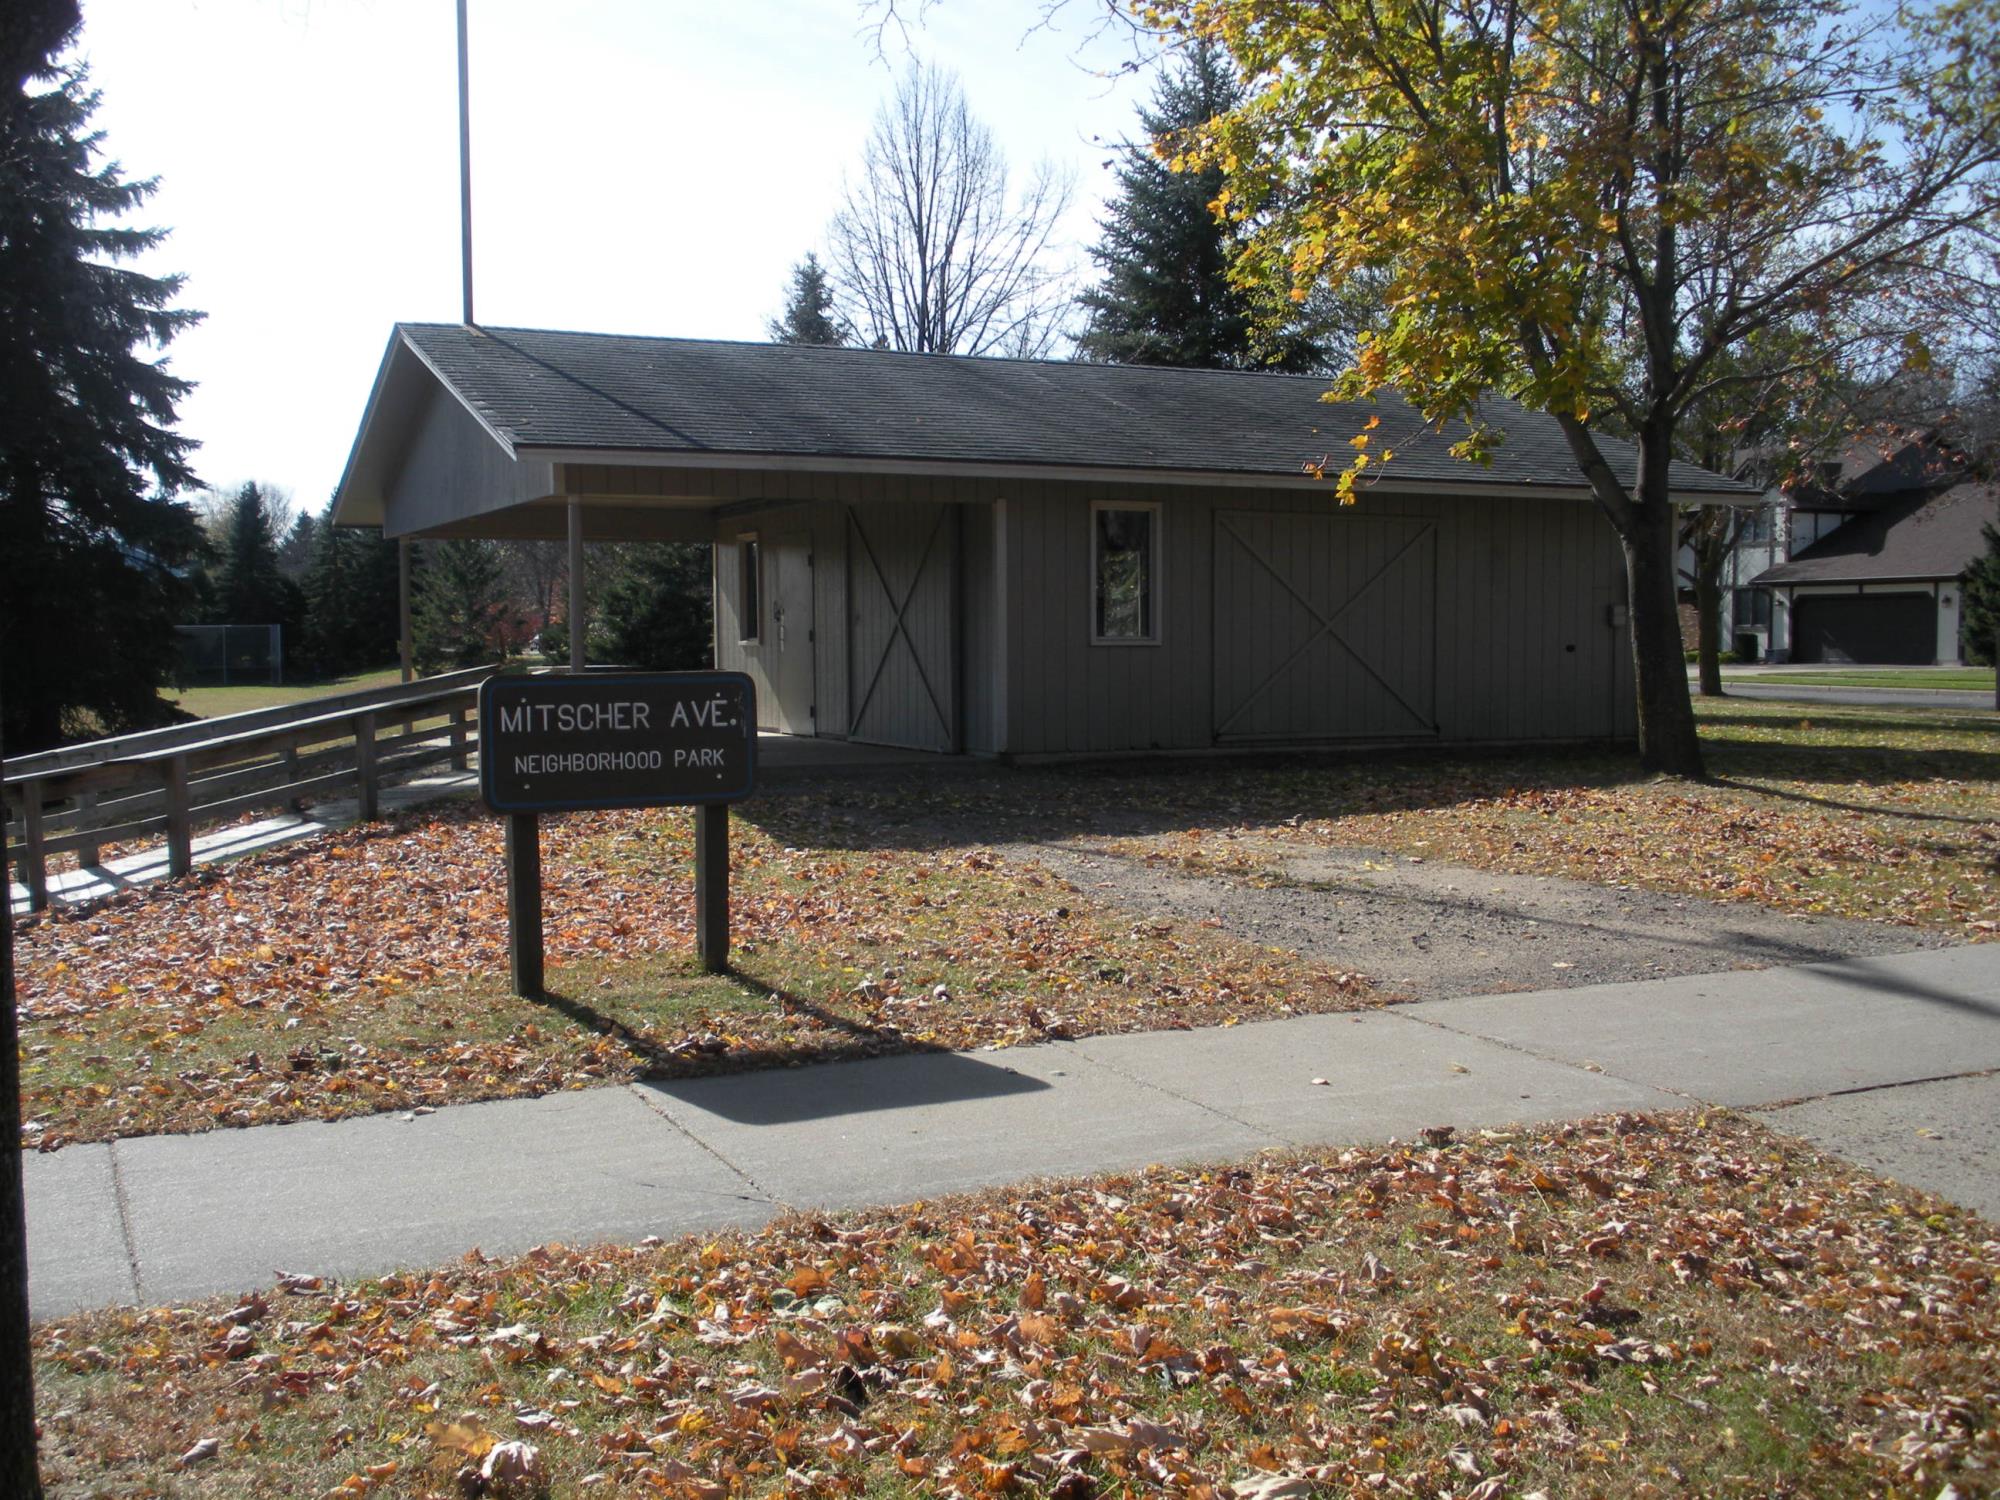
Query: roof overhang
[{"x": 427, "y": 462}]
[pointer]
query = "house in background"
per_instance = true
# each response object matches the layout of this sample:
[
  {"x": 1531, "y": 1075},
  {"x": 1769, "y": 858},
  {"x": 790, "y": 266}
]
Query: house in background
[
  {"x": 1017, "y": 558},
  {"x": 1883, "y": 586}
]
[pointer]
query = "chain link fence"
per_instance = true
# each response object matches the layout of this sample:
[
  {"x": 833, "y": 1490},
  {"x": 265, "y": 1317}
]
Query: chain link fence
[{"x": 219, "y": 655}]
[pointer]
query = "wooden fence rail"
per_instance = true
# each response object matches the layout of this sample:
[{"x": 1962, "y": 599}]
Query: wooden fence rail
[{"x": 174, "y": 781}]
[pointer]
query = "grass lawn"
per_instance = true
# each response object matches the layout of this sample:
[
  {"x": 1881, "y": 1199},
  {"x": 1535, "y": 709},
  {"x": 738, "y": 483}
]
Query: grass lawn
[
  {"x": 1633, "y": 1307},
  {"x": 1961, "y": 679},
  {"x": 213, "y": 702}
]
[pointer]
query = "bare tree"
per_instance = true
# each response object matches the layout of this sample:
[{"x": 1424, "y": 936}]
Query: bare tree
[
  {"x": 931, "y": 252},
  {"x": 536, "y": 575}
]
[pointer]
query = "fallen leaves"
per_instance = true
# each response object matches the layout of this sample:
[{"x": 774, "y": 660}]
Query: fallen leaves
[
  {"x": 362, "y": 972},
  {"x": 1432, "y": 1319},
  {"x": 1878, "y": 814}
]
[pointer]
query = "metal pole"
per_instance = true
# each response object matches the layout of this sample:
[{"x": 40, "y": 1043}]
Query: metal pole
[
  {"x": 406, "y": 651},
  {"x": 711, "y": 886},
  {"x": 465, "y": 162},
  {"x": 578, "y": 620},
  {"x": 524, "y": 903}
]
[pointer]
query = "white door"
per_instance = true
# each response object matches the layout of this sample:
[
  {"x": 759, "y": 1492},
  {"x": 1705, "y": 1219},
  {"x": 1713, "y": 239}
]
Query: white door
[{"x": 788, "y": 654}]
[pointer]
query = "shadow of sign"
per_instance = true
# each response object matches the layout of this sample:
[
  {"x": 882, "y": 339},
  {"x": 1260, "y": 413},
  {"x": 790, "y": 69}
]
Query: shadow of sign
[{"x": 791, "y": 1096}]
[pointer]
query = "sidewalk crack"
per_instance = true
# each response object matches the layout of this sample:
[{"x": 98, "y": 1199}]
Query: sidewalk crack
[
  {"x": 124, "y": 1205},
  {"x": 652, "y": 1101},
  {"x": 1872, "y": 1088},
  {"x": 1598, "y": 1070},
  {"x": 1201, "y": 1104}
]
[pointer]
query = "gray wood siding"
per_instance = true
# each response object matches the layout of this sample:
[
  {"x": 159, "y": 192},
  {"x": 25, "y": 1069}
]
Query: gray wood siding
[
  {"x": 1500, "y": 619},
  {"x": 901, "y": 607},
  {"x": 454, "y": 470},
  {"x": 1325, "y": 626},
  {"x": 1521, "y": 647},
  {"x": 982, "y": 628}
]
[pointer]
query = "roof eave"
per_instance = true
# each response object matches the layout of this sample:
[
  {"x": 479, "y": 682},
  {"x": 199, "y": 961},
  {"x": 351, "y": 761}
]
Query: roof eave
[
  {"x": 793, "y": 463},
  {"x": 359, "y": 499}
]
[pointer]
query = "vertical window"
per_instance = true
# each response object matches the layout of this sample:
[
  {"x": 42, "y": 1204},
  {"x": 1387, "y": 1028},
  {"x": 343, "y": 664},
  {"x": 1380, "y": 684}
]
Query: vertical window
[
  {"x": 1125, "y": 551},
  {"x": 1751, "y": 609},
  {"x": 751, "y": 594}
]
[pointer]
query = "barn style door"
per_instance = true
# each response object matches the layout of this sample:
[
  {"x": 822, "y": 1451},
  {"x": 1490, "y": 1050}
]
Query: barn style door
[
  {"x": 902, "y": 565},
  {"x": 1325, "y": 626}
]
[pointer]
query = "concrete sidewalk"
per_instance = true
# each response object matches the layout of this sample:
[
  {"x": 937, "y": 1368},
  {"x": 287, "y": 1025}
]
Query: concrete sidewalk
[{"x": 1890, "y": 1060}]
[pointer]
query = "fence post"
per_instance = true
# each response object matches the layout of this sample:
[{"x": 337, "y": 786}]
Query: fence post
[
  {"x": 290, "y": 756},
  {"x": 88, "y": 855},
  {"x": 180, "y": 829},
  {"x": 364, "y": 765},
  {"x": 458, "y": 761},
  {"x": 34, "y": 857}
]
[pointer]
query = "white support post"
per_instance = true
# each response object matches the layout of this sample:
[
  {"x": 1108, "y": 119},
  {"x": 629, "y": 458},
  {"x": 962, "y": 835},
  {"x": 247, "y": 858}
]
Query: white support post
[
  {"x": 578, "y": 614},
  {"x": 406, "y": 651}
]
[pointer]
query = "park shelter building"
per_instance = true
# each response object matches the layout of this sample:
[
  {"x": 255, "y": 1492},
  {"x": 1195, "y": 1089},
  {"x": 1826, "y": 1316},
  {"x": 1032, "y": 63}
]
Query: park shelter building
[{"x": 1024, "y": 559}]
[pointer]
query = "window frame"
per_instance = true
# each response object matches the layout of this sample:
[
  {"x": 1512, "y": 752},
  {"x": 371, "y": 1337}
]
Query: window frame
[
  {"x": 749, "y": 589},
  {"x": 1759, "y": 602},
  {"x": 1155, "y": 552}
]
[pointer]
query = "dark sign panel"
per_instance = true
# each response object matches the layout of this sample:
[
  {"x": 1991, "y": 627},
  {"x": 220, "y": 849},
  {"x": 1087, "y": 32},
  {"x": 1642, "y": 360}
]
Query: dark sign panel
[{"x": 616, "y": 739}]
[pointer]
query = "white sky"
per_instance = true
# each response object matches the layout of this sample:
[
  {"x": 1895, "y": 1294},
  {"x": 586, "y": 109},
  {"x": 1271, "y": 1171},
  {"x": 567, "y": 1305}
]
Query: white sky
[{"x": 639, "y": 166}]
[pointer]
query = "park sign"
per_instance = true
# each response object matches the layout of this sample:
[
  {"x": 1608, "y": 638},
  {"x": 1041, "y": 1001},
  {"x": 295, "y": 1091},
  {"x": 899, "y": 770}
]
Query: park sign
[
  {"x": 559, "y": 743},
  {"x": 569, "y": 741}
]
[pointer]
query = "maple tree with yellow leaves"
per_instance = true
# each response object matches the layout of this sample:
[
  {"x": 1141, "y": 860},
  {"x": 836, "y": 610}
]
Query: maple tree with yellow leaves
[{"x": 1597, "y": 207}]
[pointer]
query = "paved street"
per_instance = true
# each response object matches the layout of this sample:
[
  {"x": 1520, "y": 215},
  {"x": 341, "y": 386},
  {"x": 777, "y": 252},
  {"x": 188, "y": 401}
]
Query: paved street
[{"x": 1894, "y": 1061}]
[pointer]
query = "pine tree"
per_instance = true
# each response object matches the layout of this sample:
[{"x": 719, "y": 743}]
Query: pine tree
[
  {"x": 31, "y": 32},
  {"x": 459, "y": 606},
  {"x": 248, "y": 588},
  {"x": 654, "y": 612},
  {"x": 352, "y": 589},
  {"x": 295, "y": 552},
  {"x": 809, "y": 316},
  {"x": 93, "y": 547},
  {"x": 1980, "y": 596},
  {"x": 1166, "y": 297}
]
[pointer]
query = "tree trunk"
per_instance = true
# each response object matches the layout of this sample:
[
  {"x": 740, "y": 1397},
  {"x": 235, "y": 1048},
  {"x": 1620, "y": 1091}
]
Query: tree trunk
[
  {"x": 18, "y": 1474},
  {"x": 1667, "y": 738},
  {"x": 1709, "y": 552}
]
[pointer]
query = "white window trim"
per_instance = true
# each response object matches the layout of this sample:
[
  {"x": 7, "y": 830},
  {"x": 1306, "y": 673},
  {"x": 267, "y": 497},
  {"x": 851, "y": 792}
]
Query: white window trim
[
  {"x": 754, "y": 636},
  {"x": 1155, "y": 636}
]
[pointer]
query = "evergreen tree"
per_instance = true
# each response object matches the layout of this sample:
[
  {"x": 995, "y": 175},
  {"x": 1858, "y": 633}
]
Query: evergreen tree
[
  {"x": 248, "y": 587},
  {"x": 654, "y": 612},
  {"x": 459, "y": 606},
  {"x": 809, "y": 316},
  {"x": 1979, "y": 625},
  {"x": 93, "y": 548},
  {"x": 1166, "y": 297},
  {"x": 352, "y": 588},
  {"x": 295, "y": 552}
]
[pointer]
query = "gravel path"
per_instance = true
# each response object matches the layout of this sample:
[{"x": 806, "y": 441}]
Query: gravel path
[{"x": 1425, "y": 931}]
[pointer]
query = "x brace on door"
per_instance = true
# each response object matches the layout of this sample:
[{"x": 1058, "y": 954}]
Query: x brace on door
[
  {"x": 1327, "y": 624},
  {"x": 897, "y": 627}
]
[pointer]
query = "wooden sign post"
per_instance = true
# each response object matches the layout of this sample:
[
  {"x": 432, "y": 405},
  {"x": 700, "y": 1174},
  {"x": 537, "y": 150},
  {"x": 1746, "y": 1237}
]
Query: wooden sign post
[{"x": 616, "y": 739}]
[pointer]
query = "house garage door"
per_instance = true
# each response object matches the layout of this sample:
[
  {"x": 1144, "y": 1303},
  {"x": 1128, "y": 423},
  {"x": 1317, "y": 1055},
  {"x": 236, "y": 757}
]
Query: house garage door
[
  {"x": 1325, "y": 627},
  {"x": 1896, "y": 628}
]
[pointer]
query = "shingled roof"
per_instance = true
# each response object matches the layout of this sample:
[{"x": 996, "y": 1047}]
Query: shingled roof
[
  {"x": 559, "y": 394},
  {"x": 1923, "y": 538}
]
